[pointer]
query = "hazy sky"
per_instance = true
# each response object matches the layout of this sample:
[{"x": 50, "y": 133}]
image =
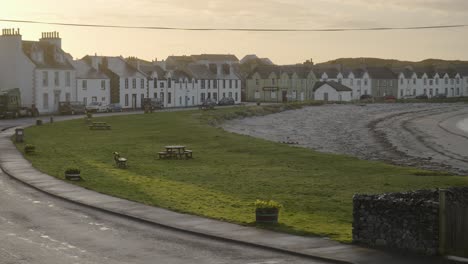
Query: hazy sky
[{"x": 282, "y": 48}]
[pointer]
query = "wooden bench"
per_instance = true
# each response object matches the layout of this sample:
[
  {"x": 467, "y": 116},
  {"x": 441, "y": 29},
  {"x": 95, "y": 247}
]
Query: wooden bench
[
  {"x": 163, "y": 155},
  {"x": 188, "y": 154},
  {"x": 119, "y": 161},
  {"x": 73, "y": 177},
  {"x": 99, "y": 125}
]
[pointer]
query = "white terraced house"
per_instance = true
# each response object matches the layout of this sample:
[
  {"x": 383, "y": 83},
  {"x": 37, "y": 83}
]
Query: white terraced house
[
  {"x": 358, "y": 80},
  {"x": 430, "y": 82},
  {"x": 183, "y": 81},
  {"x": 40, "y": 69},
  {"x": 128, "y": 85},
  {"x": 92, "y": 84}
]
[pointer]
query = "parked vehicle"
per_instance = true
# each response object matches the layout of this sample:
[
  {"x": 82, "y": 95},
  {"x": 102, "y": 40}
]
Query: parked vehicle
[
  {"x": 96, "y": 107},
  {"x": 152, "y": 104},
  {"x": 226, "y": 101},
  {"x": 440, "y": 96},
  {"x": 422, "y": 96},
  {"x": 114, "y": 108},
  {"x": 208, "y": 104},
  {"x": 366, "y": 96},
  {"x": 71, "y": 108},
  {"x": 10, "y": 104}
]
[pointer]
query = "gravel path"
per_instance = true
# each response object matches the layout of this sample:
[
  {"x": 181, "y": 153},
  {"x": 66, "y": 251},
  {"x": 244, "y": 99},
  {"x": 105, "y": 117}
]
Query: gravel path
[{"x": 403, "y": 134}]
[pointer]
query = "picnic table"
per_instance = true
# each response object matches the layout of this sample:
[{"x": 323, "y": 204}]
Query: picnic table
[
  {"x": 177, "y": 152},
  {"x": 99, "y": 125}
]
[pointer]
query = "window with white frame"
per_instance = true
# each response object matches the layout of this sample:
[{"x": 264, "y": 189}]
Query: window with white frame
[
  {"x": 45, "y": 79},
  {"x": 56, "y": 79},
  {"x": 84, "y": 84},
  {"x": 134, "y": 83},
  {"x": 126, "y": 83},
  {"x": 103, "y": 84},
  {"x": 67, "y": 79}
]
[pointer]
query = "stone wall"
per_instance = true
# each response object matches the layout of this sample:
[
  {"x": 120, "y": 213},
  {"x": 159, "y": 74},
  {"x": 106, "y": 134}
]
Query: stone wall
[{"x": 402, "y": 221}]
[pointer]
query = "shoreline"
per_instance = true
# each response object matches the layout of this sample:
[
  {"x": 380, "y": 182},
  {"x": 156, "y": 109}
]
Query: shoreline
[{"x": 399, "y": 134}]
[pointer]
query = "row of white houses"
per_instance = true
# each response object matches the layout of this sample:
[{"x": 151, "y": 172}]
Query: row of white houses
[
  {"x": 298, "y": 83},
  {"x": 46, "y": 75}
]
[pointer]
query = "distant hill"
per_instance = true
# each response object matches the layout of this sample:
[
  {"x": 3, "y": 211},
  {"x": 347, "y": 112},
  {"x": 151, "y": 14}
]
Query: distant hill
[{"x": 375, "y": 62}]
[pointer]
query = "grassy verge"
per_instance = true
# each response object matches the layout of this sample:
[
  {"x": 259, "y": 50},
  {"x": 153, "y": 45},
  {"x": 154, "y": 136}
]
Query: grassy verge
[{"x": 228, "y": 172}]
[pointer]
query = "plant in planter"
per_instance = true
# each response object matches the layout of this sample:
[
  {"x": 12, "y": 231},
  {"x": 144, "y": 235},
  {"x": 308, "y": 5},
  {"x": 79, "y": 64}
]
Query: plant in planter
[
  {"x": 266, "y": 212},
  {"x": 89, "y": 114},
  {"x": 73, "y": 174},
  {"x": 28, "y": 149}
]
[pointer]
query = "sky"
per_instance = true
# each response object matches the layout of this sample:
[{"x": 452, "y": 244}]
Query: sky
[{"x": 280, "y": 47}]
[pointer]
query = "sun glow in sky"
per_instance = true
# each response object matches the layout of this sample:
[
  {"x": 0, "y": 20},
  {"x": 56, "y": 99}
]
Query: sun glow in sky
[{"x": 281, "y": 47}]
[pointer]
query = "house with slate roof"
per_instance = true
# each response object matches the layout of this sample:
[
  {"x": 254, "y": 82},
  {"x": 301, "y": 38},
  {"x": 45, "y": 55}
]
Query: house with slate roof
[
  {"x": 356, "y": 79},
  {"x": 40, "y": 69},
  {"x": 383, "y": 81},
  {"x": 128, "y": 85},
  {"x": 463, "y": 71},
  {"x": 429, "y": 81},
  {"x": 92, "y": 84},
  {"x": 271, "y": 83},
  {"x": 190, "y": 80},
  {"x": 332, "y": 91}
]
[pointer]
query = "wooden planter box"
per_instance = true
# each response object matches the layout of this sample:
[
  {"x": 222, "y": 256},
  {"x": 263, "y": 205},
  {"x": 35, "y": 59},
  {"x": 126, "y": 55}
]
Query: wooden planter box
[
  {"x": 29, "y": 151},
  {"x": 266, "y": 215},
  {"x": 72, "y": 176}
]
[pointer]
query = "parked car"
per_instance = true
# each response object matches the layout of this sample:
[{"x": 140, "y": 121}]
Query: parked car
[
  {"x": 114, "y": 108},
  {"x": 440, "y": 96},
  {"x": 366, "y": 96},
  {"x": 71, "y": 108},
  {"x": 208, "y": 104},
  {"x": 152, "y": 103},
  {"x": 422, "y": 96},
  {"x": 389, "y": 98},
  {"x": 226, "y": 101},
  {"x": 96, "y": 107}
]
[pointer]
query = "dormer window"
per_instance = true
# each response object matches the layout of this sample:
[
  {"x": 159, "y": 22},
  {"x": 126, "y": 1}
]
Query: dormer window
[
  {"x": 38, "y": 56},
  {"x": 58, "y": 55},
  {"x": 226, "y": 69}
]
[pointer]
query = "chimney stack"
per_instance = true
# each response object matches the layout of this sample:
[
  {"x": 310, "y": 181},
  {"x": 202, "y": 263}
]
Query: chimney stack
[{"x": 52, "y": 38}]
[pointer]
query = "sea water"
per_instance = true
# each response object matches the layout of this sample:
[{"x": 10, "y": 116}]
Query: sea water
[{"x": 463, "y": 125}]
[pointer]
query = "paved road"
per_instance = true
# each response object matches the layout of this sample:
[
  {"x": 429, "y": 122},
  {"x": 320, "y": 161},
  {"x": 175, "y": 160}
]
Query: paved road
[{"x": 37, "y": 228}]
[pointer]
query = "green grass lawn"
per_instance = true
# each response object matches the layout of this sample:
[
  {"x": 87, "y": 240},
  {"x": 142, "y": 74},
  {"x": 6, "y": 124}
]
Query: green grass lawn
[{"x": 228, "y": 172}]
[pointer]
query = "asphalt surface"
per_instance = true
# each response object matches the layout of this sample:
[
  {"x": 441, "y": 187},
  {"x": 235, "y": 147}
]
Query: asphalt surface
[{"x": 37, "y": 228}]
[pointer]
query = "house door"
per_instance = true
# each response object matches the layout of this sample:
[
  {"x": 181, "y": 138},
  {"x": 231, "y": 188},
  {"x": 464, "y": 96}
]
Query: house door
[
  {"x": 56, "y": 100},
  {"x": 285, "y": 96},
  {"x": 134, "y": 101},
  {"x": 325, "y": 97}
]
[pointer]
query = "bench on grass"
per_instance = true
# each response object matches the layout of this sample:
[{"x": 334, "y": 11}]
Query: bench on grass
[
  {"x": 119, "y": 161},
  {"x": 99, "y": 125}
]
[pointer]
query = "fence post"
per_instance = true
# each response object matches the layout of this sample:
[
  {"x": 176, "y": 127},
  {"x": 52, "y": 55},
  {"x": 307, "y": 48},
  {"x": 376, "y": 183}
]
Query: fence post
[{"x": 442, "y": 222}]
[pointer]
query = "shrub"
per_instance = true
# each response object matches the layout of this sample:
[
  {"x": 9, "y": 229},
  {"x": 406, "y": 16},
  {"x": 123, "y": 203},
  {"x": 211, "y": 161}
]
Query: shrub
[
  {"x": 72, "y": 171},
  {"x": 262, "y": 204},
  {"x": 28, "y": 148}
]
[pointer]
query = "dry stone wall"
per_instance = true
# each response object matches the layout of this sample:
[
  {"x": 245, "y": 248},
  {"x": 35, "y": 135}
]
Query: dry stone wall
[
  {"x": 403, "y": 221},
  {"x": 406, "y": 221}
]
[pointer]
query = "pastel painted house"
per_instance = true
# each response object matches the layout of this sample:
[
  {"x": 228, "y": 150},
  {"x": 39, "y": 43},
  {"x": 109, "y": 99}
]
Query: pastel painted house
[{"x": 332, "y": 91}]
